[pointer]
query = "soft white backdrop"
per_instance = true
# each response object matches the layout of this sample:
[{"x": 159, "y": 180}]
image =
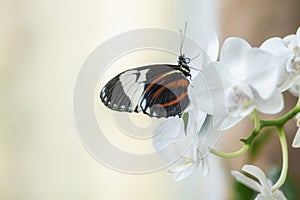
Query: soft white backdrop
[{"x": 43, "y": 45}]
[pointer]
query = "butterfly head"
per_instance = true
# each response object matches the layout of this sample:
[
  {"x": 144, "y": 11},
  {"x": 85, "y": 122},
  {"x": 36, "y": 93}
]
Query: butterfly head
[{"x": 183, "y": 64}]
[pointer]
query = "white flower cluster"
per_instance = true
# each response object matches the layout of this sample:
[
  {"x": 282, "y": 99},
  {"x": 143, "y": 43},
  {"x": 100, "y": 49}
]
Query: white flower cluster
[
  {"x": 262, "y": 185},
  {"x": 253, "y": 78}
]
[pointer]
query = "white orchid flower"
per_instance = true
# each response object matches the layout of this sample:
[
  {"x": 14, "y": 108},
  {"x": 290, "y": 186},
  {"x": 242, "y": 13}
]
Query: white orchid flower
[
  {"x": 248, "y": 76},
  {"x": 262, "y": 186},
  {"x": 184, "y": 144},
  {"x": 184, "y": 148},
  {"x": 287, "y": 51}
]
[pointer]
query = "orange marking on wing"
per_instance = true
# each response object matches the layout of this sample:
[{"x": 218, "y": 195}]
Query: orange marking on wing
[
  {"x": 171, "y": 84},
  {"x": 158, "y": 92},
  {"x": 183, "y": 82},
  {"x": 153, "y": 82},
  {"x": 180, "y": 83},
  {"x": 175, "y": 100}
]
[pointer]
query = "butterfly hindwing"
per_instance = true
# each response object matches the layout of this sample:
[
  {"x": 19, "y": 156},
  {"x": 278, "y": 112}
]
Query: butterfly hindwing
[
  {"x": 156, "y": 90},
  {"x": 166, "y": 95}
]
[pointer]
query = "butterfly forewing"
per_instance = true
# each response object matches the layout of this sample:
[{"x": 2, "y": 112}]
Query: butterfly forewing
[{"x": 156, "y": 90}]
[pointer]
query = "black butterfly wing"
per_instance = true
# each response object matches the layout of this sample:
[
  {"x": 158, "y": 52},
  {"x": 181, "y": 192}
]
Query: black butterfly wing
[{"x": 156, "y": 90}]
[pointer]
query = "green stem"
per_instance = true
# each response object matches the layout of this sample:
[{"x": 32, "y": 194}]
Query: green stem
[
  {"x": 258, "y": 126},
  {"x": 232, "y": 154},
  {"x": 282, "y": 120},
  {"x": 247, "y": 142},
  {"x": 285, "y": 160}
]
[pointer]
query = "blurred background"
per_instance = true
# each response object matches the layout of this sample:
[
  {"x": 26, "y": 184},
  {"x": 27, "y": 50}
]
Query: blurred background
[
  {"x": 43, "y": 45},
  {"x": 257, "y": 21}
]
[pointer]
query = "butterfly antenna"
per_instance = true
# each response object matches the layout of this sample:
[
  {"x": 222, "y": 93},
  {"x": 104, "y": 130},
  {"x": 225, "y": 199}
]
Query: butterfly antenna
[
  {"x": 196, "y": 56},
  {"x": 195, "y": 68},
  {"x": 180, "y": 48},
  {"x": 182, "y": 37}
]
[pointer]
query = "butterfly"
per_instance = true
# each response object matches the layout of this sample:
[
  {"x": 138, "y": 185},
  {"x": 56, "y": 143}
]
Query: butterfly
[{"x": 159, "y": 90}]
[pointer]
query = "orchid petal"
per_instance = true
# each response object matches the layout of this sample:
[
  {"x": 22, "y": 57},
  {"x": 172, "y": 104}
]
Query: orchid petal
[
  {"x": 167, "y": 139},
  {"x": 199, "y": 89},
  {"x": 291, "y": 41},
  {"x": 223, "y": 73},
  {"x": 229, "y": 122},
  {"x": 208, "y": 136},
  {"x": 204, "y": 166},
  {"x": 294, "y": 90},
  {"x": 260, "y": 197},
  {"x": 287, "y": 84},
  {"x": 257, "y": 173},
  {"x": 232, "y": 51},
  {"x": 193, "y": 122},
  {"x": 272, "y": 105},
  {"x": 208, "y": 89},
  {"x": 278, "y": 195},
  {"x": 298, "y": 35},
  {"x": 296, "y": 142},
  {"x": 191, "y": 129},
  {"x": 246, "y": 181},
  {"x": 239, "y": 101},
  {"x": 181, "y": 164},
  {"x": 264, "y": 188},
  {"x": 285, "y": 80},
  {"x": 167, "y": 132},
  {"x": 187, "y": 172},
  {"x": 276, "y": 46},
  {"x": 185, "y": 147},
  {"x": 213, "y": 47},
  {"x": 239, "y": 90},
  {"x": 261, "y": 72},
  {"x": 196, "y": 117}
]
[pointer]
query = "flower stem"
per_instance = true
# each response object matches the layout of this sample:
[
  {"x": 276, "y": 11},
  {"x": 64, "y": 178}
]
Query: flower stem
[
  {"x": 232, "y": 154},
  {"x": 285, "y": 159},
  {"x": 282, "y": 120},
  {"x": 258, "y": 126},
  {"x": 247, "y": 141},
  {"x": 256, "y": 130}
]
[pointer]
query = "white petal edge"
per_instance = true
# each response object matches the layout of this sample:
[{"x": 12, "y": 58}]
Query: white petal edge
[
  {"x": 278, "y": 195},
  {"x": 207, "y": 87},
  {"x": 272, "y": 105},
  {"x": 291, "y": 41},
  {"x": 246, "y": 181},
  {"x": 208, "y": 136},
  {"x": 261, "y": 197},
  {"x": 195, "y": 115},
  {"x": 261, "y": 71},
  {"x": 296, "y": 141},
  {"x": 298, "y": 34},
  {"x": 232, "y": 51},
  {"x": 256, "y": 172},
  {"x": 213, "y": 47},
  {"x": 204, "y": 166},
  {"x": 195, "y": 125},
  {"x": 165, "y": 134},
  {"x": 228, "y": 122},
  {"x": 275, "y": 46},
  {"x": 185, "y": 173},
  {"x": 285, "y": 80}
]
